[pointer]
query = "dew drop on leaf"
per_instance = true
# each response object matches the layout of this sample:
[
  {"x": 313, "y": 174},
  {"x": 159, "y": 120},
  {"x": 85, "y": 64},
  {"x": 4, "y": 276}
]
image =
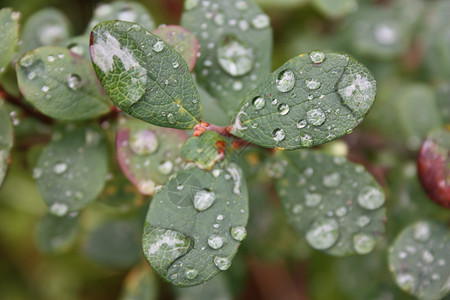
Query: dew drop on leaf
[
  {"x": 261, "y": 21},
  {"x": 278, "y": 135},
  {"x": 306, "y": 141},
  {"x": 283, "y": 109},
  {"x": 421, "y": 232},
  {"x": 59, "y": 209},
  {"x": 190, "y": 4},
  {"x": 370, "y": 198},
  {"x": 165, "y": 167},
  {"x": 215, "y": 241},
  {"x": 259, "y": 102},
  {"x": 191, "y": 273},
  {"x": 158, "y": 46},
  {"x": 317, "y": 57},
  {"x": 313, "y": 84},
  {"x": 223, "y": 263},
  {"x": 301, "y": 124},
  {"x": 323, "y": 234},
  {"x": 331, "y": 180},
  {"x": 146, "y": 187},
  {"x": 238, "y": 233},
  {"x": 203, "y": 199},
  {"x": 285, "y": 81},
  {"x": 234, "y": 57},
  {"x": 60, "y": 168},
  {"x": 363, "y": 243},
  {"x": 315, "y": 116},
  {"x": 144, "y": 142},
  {"x": 73, "y": 81},
  {"x": 313, "y": 199}
]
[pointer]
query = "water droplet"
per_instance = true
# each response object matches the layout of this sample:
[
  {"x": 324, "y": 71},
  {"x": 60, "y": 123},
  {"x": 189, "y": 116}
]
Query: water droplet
[
  {"x": 261, "y": 21},
  {"x": 341, "y": 211},
  {"x": 60, "y": 168},
  {"x": 73, "y": 81},
  {"x": 306, "y": 141},
  {"x": 146, "y": 187},
  {"x": 313, "y": 84},
  {"x": 143, "y": 142},
  {"x": 283, "y": 109},
  {"x": 190, "y": 4},
  {"x": 278, "y": 135},
  {"x": 165, "y": 167},
  {"x": 258, "y": 102},
  {"x": 158, "y": 46},
  {"x": 175, "y": 64},
  {"x": 310, "y": 97},
  {"x": 313, "y": 200},
  {"x": 203, "y": 199},
  {"x": 406, "y": 281},
  {"x": 298, "y": 208},
  {"x": 427, "y": 257},
  {"x": 219, "y": 217},
  {"x": 37, "y": 173},
  {"x": 165, "y": 245},
  {"x": 237, "y": 85},
  {"x": 370, "y": 198},
  {"x": 219, "y": 19},
  {"x": 285, "y": 81},
  {"x": 45, "y": 88},
  {"x": 215, "y": 241},
  {"x": 315, "y": 116},
  {"x": 363, "y": 243},
  {"x": 238, "y": 233},
  {"x": 241, "y": 5},
  {"x": 223, "y": 263},
  {"x": 332, "y": 180},
  {"x": 421, "y": 232},
  {"x": 317, "y": 57},
  {"x": 171, "y": 118},
  {"x": 51, "y": 58},
  {"x": 301, "y": 124},
  {"x": 27, "y": 60},
  {"x": 235, "y": 58},
  {"x": 59, "y": 209},
  {"x": 323, "y": 234},
  {"x": 385, "y": 34},
  {"x": 191, "y": 273}
]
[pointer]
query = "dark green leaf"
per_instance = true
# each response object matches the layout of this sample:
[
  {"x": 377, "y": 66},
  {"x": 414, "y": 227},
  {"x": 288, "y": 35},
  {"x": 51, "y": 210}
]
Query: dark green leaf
[
  {"x": 9, "y": 36},
  {"x": 336, "y": 205},
  {"x": 419, "y": 260},
  {"x": 48, "y": 26},
  {"x": 128, "y": 11},
  {"x": 310, "y": 100},
  {"x": 6, "y": 140},
  {"x": 79, "y": 45},
  {"x": 205, "y": 151},
  {"x": 182, "y": 40},
  {"x": 71, "y": 170},
  {"x": 336, "y": 8},
  {"x": 148, "y": 154},
  {"x": 144, "y": 76},
  {"x": 195, "y": 224},
  {"x": 140, "y": 284},
  {"x": 61, "y": 84},
  {"x": 55, "y": 234},
  {"x": 215, "y": 289},
  {"x": 236, "y": 47}
]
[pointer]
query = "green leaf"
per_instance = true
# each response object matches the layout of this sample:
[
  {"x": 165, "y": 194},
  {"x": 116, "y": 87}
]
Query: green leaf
[
  {"x": 212, "y": 111},
  {"x": 182, "y": 40},
  {"x": 9, "y": 36},
  {"x": 310, "y": 100},
  {"x": 71, "y": 170},
  {"x": 47, "y": 26},
  {"x": 285, "y": 4},
  {"x": 419, "y": 259},
  {"x": 61, "y": 84},
  {"x": 114, "y": 243},
  {"x": 148, "y": 154},
  {"x": 236, "y": 47},
  {"x": 443, "y": 105},
  {"x": 79, "y": 45},
  {"x": 215, "y": 289},
  {"x": 205, "y": 151},
  {"x": 128, "y": 11},
  {"x": 6, "y": 140},
  {"x": 140, "y": 284},
  {"x": 336, "y": 205},
  {"x": 55, "y": 234},
  {"x": 336, "y": 8},
  {"x": 144, "y": 76},
  {"x": 195, "y": 224}
]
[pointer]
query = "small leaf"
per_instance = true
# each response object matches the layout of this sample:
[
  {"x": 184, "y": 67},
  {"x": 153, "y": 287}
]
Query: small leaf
[
  {"x": 136, "y": 69},
  {"x": 9, "y": 36},
  {"x": 205, "y": 151},
  {"x": 128, "y": 11},
  {"x": 182, "y": 40},
  {"x": 47, "y": 26},
  {"x": 61, "y": 84},
  {"x": 419, "y": 259},
  {"x": 336, "y": 205},
  {"x": 236, "y": 47},
  {"x": 6, "y": 140},
  {"x": 434, "y": 168},
  {"x": 79, "y": 45},
  {"x": 55, "y": 234},
  {"x": 336, "y": 8},
  {"x": 140, "y": 284},
  {"x": 71, "y": 170},
  {"x": 310, "y": 100},
  {"x": 148, "y": 154},
  {"x": 195, "y": 224}
]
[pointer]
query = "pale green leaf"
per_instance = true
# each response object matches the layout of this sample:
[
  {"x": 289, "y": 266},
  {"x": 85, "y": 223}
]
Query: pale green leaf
[
  {"x": 215, "y": 289},
  {"x": 205, "y": 151},
  {"x": 6, "y": 140},
  {"x": 9, "y": 36},
  {"x": 336, "y": 8}
]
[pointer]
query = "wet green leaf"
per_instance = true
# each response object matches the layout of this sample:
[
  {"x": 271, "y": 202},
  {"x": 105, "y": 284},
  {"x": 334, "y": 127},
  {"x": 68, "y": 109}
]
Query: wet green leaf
[
  {"x": 128, "y": 11},
  {"x": 336, "y": 205},
  {"x": 9, "y": 36},
  {"x": 144, "y": 76},
  {"x": 419, "y": 259},
  {"x": 47, "y": 26},
  {"x": 78, "y": 45},
  {"x": 443, "y": 105},
  {"x": 205, "y": 151},
  {"x": 71, "y": 170},
  {"x": 6, "y": 140},
  {"x": 61, "y": 84},
  {"x": 55, "y": 234},
  {"x": 182, "y": 40},
  {"x": 215, "y": 289},
  {"x": 140, "y": 284},
  {"x": 148, "y": 154},
  {"x": 195, "y": 224},
  {"x": 310, "y": 100},
  {"x": 114, "y": 243},
  {"x": 236, "y": 47},
  {"x": 336, "y": 8}
]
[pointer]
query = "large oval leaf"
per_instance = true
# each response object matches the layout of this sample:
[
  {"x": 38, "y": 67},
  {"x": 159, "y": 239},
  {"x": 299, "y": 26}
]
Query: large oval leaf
[
  {"x": 419, "y": 260},
  {"x": 195, "y": 224},
  {"x": 235, "y": 46},
  {"x": 144, "y": 76},
  {"x": 61, "y": 84},
  {"x": 310, "y": 100},
  {"x": 71, "y": 170},
  {"x": 336, "y": 205},
  {"x": 6, "y": 140},
  {"x": 9, "y": 36}
]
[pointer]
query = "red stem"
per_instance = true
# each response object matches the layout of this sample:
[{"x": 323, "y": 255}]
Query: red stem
[{"x": 223, "y": 131}]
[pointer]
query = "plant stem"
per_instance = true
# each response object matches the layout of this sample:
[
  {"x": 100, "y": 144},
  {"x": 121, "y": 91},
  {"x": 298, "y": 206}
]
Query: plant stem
[{"x": 225, "y": 131}]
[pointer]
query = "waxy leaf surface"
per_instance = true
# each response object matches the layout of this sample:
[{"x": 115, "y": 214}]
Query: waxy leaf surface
[{"x": 9, "y": 36}]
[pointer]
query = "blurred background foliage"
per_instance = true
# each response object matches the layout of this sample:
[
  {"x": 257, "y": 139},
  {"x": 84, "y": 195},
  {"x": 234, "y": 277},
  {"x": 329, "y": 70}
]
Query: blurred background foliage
[{"x": 97, "y": 254}]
